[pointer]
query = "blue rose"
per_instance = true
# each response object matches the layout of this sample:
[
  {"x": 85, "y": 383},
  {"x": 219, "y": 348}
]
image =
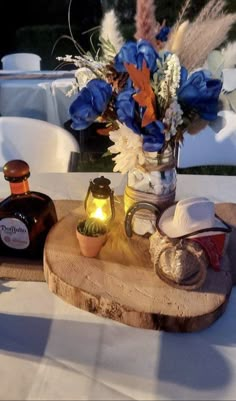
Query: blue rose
[
  {"x": 145, "y": 51},
  {"x": 183, "y": 75},
  {"x": 125, "y": 109},
  {"x": 134, "y": 53},
  {"x": 201, "y": 93},
  {"x": 163, "y": 34},
  {"x": 91, "y": 102},
  {"x": 154, "y": 137}
]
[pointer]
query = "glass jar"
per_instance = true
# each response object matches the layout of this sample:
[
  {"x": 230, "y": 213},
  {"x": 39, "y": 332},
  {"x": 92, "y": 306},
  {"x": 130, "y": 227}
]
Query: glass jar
[{"x": 155, "y": 182}]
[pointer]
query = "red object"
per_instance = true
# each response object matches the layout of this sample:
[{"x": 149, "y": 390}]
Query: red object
[{"x": 213, "y": 245}]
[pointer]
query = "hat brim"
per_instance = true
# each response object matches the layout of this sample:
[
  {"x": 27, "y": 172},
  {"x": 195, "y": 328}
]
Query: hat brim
[{"x": 166, "y": 226}]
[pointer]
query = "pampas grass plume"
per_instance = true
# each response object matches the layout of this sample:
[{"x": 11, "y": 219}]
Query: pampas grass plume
[
  {"x": 110, "y": 30},
  {"x": 176, "y": 26},
  {"x": 146, "y": 24},
  {"x": 213, "y": 9},
  {"x": 178, "y": 38},
  {"x": 200, "y": 37}
]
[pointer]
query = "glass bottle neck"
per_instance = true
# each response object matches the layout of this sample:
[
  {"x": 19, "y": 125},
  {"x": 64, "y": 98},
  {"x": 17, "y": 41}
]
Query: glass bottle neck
[{"x": 18, "y": 188}]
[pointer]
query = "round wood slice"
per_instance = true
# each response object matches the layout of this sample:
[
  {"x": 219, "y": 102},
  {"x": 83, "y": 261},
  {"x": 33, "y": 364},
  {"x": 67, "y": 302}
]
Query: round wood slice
[{"x": 121, "y": 284}]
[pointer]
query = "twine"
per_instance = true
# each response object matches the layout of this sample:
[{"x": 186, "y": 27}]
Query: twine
[
  {"x": 132, "y": 196},
  {"x": 160, "y": 162},
  {"x": 148, "y": 167},
  {"x": 174, "y": 266}
]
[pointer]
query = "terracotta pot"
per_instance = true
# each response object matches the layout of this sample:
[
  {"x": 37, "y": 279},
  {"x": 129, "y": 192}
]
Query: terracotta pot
[{"x": 90, "y": 246}]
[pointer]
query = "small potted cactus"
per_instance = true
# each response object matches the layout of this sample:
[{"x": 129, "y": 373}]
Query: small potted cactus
[{"x": 92, "y": 235}]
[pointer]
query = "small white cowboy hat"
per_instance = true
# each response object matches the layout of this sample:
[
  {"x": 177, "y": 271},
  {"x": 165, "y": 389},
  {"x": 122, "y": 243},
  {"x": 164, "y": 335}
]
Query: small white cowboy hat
[{"x": 191, "y": 217}]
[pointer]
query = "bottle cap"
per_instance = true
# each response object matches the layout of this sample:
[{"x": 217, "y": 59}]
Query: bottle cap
[{"x": 16, "y": 170}]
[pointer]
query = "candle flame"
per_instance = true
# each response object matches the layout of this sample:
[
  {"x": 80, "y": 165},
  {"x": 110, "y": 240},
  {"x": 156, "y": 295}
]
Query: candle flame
[{"x": 99, "y": 214}]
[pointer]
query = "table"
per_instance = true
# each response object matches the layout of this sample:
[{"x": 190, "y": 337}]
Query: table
[
  {"x": 39, "y": 95},
  {"x": 52, "y": 350}
]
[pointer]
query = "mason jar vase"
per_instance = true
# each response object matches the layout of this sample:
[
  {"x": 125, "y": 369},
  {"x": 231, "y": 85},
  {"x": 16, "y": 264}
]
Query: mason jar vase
[{"x": 154, "y": 182}]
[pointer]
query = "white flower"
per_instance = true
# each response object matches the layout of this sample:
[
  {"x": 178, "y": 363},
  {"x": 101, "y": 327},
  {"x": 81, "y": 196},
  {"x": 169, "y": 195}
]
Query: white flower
[
  {"x": 73, "y": 90},
  {"x": 83, "y": 75},
  {"x": 170, "y": 83},
  {"x": 128, "y": 147},
  {"x": 98, "y": 68},
  {"x": 173, "y": 118}
]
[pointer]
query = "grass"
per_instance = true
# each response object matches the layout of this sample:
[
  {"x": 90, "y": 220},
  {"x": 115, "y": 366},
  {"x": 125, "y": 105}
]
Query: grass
[
  {"x": 96, "y": 162},
  {"x": 209, "y": 170}
]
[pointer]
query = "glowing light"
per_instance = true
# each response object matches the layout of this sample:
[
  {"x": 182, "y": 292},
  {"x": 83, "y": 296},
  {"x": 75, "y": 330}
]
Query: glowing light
[{"x": 99, "y": 214}]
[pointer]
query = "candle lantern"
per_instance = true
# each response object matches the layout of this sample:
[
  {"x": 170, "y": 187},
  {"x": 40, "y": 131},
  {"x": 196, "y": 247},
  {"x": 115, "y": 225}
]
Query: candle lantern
[{"x": 99, "y": 201}]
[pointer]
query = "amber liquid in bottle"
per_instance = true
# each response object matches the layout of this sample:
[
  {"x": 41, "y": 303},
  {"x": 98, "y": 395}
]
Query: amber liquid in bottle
[{"x": 25, "y": 216}]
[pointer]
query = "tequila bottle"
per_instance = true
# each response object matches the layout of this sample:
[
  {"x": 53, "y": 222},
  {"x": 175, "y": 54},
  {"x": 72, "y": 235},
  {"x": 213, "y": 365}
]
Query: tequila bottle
[{"x": 25, "y": 216}]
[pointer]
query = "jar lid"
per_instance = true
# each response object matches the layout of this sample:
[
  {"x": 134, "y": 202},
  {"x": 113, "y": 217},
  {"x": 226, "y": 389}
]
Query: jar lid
[{"x": 16, "y": 170}]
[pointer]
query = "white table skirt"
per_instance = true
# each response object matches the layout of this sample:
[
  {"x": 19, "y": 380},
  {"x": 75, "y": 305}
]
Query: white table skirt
[
  {"x": 52, "y": 350},
  {"x": 74, "y": 185},
  {"x": 44, "y": 99}
]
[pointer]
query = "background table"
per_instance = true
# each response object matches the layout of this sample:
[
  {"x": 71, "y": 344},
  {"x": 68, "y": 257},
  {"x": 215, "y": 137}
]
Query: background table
[
  {"x": 39, "y": 95},
  {"x": 52, "y": 350}
]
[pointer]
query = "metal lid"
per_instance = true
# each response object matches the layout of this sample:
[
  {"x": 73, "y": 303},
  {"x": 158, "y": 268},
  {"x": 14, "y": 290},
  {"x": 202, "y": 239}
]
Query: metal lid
[{"x": 100, "y": 187}]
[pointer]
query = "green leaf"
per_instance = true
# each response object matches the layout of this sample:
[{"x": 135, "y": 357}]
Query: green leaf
[{"x": 107, "y": 153}]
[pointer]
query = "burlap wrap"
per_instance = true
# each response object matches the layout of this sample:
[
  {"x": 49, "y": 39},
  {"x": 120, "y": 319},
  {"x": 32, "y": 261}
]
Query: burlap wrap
[{"x": 180, "y": 263}]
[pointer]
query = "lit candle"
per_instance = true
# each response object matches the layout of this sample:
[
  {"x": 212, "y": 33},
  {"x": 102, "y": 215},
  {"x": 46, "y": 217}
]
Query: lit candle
[{"x": 99, "y": 201}]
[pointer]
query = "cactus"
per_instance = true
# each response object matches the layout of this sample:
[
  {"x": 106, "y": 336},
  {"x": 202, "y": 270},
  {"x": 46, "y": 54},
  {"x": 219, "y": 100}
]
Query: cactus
[{"x": 92, "y": 227}]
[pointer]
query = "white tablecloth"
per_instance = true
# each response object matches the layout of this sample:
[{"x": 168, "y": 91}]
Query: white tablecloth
[
  {"x": 42, "y": 98},
  {"x": 51, "y": 350}
]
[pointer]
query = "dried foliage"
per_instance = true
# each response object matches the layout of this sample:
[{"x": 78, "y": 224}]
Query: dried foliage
[
  {"x": 178, "y": 24},
  {"x": 209, "y": 30},
  {"x": 145, "y": 97},
  {"x": 146, "y": 25},
  {"x": 110, "y": 33},
  {"x": 178, "y": 38},
  {"x": 212, "y": 9},
  {"x": 206, "y": 37}
]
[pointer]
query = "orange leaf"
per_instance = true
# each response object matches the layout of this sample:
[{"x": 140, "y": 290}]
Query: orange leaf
[
  {"x": 145, "y": 97},
  {"x": 104, "y": 131}
]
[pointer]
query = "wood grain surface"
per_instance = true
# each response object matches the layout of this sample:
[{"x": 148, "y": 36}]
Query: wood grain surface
[{"x": 121, "y": 284}]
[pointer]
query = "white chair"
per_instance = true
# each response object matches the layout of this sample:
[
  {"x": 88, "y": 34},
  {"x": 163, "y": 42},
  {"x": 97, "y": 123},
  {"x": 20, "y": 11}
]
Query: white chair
[
  {"x": 214, "y": 145},
  {"x": 21, "y": 61},
  {"x": 44, "y": 146}
]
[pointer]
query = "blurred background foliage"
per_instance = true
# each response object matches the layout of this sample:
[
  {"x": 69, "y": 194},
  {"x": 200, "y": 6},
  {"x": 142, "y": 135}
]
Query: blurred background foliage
[
  {"x": 49, "y": 41},
  {"x": 39, "y": 25},
  {"x": 165, "y": 10}
]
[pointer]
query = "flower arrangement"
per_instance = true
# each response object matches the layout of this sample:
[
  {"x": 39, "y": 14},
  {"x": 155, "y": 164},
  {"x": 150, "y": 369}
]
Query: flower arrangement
[{"x": 147, "y": 92}]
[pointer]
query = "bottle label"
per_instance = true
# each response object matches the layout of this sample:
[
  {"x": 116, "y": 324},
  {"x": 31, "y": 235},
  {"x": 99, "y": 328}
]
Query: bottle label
[{"x": 14, "y": 233}]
